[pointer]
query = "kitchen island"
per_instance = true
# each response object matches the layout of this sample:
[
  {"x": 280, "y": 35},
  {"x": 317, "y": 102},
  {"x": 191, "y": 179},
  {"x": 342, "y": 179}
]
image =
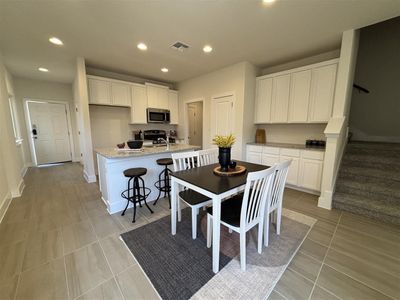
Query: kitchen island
[{"x": 112, "y": 162}]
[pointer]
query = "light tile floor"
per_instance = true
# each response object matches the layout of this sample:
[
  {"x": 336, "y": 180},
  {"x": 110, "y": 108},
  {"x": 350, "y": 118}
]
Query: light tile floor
[{"x": 58, "y": 242}]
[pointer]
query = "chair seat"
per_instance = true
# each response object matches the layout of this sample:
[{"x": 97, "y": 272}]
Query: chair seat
[
  {"x": 164, "y": 161},
  {"x": 135, "y": 172},
  {"x": 230, "y": 210},
  {"x": 192, "y": 197}
]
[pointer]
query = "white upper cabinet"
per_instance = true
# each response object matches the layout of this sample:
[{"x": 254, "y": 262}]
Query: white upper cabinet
[
  {"x": 120, "y": 94},
  {"x": 173, "y": 107},
  {"x": 299, "y": 96},
  {"x": 139, "y": 104},
  {"x": 322, "y": 91},
  {"x": 157, "y": 96},
  {"x": 99, "y": 91},
  {"x": 280, "y": 99},
  {"x": 263, "y": 101}
]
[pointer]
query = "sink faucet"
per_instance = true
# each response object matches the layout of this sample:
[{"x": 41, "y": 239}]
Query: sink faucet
[{"x": 165, "y": 141}]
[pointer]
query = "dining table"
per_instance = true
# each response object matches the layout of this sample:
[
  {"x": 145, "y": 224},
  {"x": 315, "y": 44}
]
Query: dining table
[{"x": 203, "y": 180}]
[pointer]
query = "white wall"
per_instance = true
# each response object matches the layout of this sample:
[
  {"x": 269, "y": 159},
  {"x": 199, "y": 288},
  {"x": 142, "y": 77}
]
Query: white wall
[
  {"x": 11, "y": 161},
  {"x": 226, "y": 80},
  {"x": 376, "y": 116},
  {"x": 293, "y": 133},
  {"x": 301, "y": 62},
  {"x": 44, "y": 90},
  {"x": 81, "y": 103}
]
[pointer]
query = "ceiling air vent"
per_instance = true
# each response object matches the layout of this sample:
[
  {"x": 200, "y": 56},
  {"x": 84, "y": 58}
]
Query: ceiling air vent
[{"x": 180, "y": 46}]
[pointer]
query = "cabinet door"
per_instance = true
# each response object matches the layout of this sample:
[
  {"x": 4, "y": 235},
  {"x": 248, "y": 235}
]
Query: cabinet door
[
  {"x": 99, "y": 91},
  {"x": 121, "y": 94},
  {"x": 152, "y": 96},
  {"x": 262, "y": 113},
  {"x": 269, "y": 159},
  {"x": 310, "y": 174},
  {"x": 280, "y": 99},
  {"x": 163, "y": 98},
  {"x": 139, "y": 105},
  {"x": 323, "y": 82},
  {"x": 253, "y": 157},
  {"x": 173, "y": 106},
  {"x": 299, "y": 96},
  {"x": 293, "y": 173}
]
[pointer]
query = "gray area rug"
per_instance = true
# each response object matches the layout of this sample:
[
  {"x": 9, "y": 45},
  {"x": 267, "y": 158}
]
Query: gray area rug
[{"x": 181, "y": 268}]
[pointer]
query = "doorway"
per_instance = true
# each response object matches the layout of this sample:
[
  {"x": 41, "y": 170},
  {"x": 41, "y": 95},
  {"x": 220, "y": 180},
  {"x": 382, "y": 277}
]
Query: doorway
[
  {"x": 49, "y": 131},
  {"x": 195, "y": 123}
]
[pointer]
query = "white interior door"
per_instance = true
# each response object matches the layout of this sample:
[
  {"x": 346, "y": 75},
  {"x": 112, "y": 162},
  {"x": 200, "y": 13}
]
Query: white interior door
[
  {"x": 195, "y": 136},
  {"x": 50, "y": 132},
  {"x": 223, "y": 118}
]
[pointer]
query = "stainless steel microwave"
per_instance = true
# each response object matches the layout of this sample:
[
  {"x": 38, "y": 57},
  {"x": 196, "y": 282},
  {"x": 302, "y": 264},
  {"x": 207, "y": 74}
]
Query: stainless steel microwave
[{"x": 155, "y": 115}]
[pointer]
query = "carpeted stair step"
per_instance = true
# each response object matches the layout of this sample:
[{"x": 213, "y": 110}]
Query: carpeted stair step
[
  {"x": 372, "y": 171},
  {"x": 369, "y": 159},
  {"x": 384, "y": 190},
  {"x": 368, "y": 207}
]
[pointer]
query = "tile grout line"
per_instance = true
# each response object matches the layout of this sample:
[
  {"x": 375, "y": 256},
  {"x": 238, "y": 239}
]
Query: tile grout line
[
  {"x": 326, "y": 254},
  {"x": 65, "y": 266},
  {"x": 108, "y": 263},
  {"x": 278, "y": 294}
]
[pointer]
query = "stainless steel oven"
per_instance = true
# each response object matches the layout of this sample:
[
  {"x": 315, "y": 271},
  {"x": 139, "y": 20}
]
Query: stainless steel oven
[{"x": 155, "y": 115}]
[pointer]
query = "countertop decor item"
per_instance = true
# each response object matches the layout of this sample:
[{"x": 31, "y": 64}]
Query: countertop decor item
[
  {"x": 121, "y": 146},
  {"x": 224, "y": 144},
  {"x": 237, "y": 170},
  {"x": 260, "y": 136},
  {"x": 135, "y": 144}
]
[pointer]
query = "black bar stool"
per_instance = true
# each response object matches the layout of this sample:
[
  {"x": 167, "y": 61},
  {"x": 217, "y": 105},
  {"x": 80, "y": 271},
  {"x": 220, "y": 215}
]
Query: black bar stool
[
  {"x": 163, "y": 183},
  {"x": 137, "y": 192}
]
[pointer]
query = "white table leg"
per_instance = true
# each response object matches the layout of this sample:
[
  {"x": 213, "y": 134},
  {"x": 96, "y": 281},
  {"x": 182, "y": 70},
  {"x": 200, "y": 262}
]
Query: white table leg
[
  {"x": 174, "y": 198},
  {"x": 216, "y": 233}
]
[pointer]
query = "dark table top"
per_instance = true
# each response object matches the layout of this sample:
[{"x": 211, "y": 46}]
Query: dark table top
[{"x": 205, "y": 178}]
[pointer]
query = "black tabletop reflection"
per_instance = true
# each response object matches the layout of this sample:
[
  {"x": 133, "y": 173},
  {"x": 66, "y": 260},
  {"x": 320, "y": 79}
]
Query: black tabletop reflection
[{"x": 205, "y": 178}]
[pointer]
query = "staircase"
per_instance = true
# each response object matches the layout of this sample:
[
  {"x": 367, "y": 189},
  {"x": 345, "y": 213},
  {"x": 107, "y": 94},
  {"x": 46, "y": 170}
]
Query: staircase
[{"x": 368, "y": 182}]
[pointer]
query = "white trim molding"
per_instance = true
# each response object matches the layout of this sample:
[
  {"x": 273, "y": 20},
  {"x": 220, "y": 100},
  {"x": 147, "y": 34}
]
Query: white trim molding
[
  {"x": 4, "y": 206},
  {"x": 89, "y": 179},
  {"x": 20, "y": 189}
]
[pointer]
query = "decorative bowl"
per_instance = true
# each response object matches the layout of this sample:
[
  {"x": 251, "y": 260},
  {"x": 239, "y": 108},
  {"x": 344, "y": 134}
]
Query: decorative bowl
[{"x": 135, "y": 144}]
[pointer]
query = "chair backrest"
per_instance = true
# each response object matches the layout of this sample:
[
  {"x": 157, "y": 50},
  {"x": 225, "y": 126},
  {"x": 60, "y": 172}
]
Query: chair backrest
[
  {"x": 208, "y": 156},
  {"x": 278, "y": 185},
  {"x": 185, "y": 160},
  {"x": 256, "y": 193}
]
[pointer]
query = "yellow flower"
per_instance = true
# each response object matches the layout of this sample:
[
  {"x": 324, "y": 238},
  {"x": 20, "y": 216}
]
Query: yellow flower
[{"x": 223, "y": 141}]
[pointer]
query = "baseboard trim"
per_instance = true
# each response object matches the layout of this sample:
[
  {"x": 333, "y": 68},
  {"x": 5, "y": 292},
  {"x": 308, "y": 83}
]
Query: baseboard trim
[
  {"x": 4, "y": 207},
  {"x": 20, "y": 189},
  {"x": 89, "y": 178},
  {"x": 325, "y": 201},
  {"x": 298, "y": 188}
]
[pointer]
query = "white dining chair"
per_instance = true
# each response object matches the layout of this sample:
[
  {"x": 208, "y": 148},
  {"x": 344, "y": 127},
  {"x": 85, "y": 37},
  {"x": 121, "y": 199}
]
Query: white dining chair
[
  {"x": 184, "y": 161},
  {"x": 208, "y": 156},
  {"x": 246, "y": 210},
  {"x": 274, "y": 201}
]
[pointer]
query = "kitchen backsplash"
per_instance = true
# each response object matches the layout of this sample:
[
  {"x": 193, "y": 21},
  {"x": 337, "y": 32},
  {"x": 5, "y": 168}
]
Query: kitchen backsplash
[{"x": 293, "y": 133}]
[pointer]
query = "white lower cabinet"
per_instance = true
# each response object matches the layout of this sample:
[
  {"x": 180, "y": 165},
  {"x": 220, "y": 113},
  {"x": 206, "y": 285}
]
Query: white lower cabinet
[
  {"x": 293, "y": 174},
  {"x": 305, "y": 170}
]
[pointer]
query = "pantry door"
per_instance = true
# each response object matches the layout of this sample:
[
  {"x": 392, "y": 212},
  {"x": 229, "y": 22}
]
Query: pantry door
[
  {"x": 222, "y": 117},
  {"x": 49, "y": 132}
]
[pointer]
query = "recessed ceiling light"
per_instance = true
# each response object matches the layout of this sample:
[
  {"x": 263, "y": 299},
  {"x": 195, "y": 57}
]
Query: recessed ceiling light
[
  {"x": 165, "y": 70},
  {"x": 56, "y": 41},
  {"x": 268, "y": 1},
  {"x": 207, "y": 49},
  {"x": 142, "y": 46},
  {"x": 43, "y": 69}
]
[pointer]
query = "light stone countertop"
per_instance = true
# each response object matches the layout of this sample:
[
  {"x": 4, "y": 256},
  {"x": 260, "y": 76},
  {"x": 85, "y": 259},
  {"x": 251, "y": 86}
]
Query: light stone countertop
[
  {"x": 290, "y": 146},
  {"x": 144, "y": 151}
]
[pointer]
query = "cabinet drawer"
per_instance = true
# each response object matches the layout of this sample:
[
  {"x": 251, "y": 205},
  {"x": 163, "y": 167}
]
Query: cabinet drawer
[
  {"x": 271, "y": 150},
  {"x": 290, "y": 152},
  {"x": 318, "y": 155},
  {"x": 254, "y": 148}
]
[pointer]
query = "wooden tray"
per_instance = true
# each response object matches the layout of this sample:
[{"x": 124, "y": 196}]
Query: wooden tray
[{"x": 232, "y": 172}]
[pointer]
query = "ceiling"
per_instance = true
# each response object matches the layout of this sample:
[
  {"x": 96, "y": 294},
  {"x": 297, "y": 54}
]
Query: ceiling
[{"x": 106, "y": 33}]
